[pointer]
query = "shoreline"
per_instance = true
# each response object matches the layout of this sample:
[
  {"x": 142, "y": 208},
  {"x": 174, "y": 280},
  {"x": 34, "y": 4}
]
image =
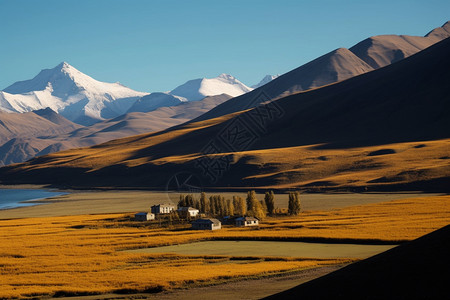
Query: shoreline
[{"x": 34, "y": 201}]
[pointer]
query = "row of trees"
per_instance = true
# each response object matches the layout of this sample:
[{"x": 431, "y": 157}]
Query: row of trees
[{"x": 217, "y": 205}]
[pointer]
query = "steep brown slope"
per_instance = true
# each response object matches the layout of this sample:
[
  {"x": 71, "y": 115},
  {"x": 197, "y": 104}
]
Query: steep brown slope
[
  {"x": 374, "y": 130},
  {"x": 340, "y": 64},
  {"x": 382, "y": 50},
  {"x": 416, "y": 270},
  {"x": 24, "y": 136}
]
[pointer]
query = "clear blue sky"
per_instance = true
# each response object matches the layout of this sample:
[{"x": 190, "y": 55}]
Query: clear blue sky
[{"x": 157, "y": 45}]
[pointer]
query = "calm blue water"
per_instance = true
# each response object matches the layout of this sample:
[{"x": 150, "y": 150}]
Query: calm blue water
[{"x": 12, "y": 198}]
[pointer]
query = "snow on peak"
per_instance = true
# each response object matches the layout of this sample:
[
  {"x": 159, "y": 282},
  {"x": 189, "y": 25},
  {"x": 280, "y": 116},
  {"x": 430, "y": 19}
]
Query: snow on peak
[
  {"x": 197, "y": 89},
  {"x": 266, "y": 79},
  {"x": 226, "y": 77},
  {"x": 66, "y": 90}
]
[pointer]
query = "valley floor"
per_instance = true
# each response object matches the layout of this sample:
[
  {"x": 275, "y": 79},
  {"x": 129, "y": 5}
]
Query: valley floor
[{"x": 83, "y": 254}]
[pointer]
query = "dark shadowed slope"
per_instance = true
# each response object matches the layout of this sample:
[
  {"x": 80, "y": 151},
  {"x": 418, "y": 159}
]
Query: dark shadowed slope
[
  {"x": 408, "y": 101},
  {"x": 372, "y": 53},
  {"x": 416, "y": 270}
]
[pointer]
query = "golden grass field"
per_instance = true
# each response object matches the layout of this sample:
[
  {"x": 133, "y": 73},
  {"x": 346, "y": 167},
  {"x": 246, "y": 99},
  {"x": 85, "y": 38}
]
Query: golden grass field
[{"x": 76, "y": 255}]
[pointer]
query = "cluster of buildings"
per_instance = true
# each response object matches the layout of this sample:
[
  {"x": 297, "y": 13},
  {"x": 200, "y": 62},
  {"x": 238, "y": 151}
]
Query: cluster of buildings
[{"x": 199, "y": 224}]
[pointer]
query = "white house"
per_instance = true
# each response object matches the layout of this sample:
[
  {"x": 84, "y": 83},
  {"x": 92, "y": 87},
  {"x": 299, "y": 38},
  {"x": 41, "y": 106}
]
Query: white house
[
  {"x": 206, "y": 224},
  {"x": 144, "y": 216},
  {"x": 247, "y": 221},
  {"x": 188, "y": 212},
  {"x": 162, "y": 208}
]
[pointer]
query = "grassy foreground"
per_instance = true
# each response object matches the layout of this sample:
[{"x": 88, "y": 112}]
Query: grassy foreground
[{"x": 76, "y": 255}]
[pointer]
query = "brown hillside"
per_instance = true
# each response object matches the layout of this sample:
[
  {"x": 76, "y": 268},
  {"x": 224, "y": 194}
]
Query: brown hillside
[
  {"x": 371, "y": 53},
  {"x": 24, "y": 136}
]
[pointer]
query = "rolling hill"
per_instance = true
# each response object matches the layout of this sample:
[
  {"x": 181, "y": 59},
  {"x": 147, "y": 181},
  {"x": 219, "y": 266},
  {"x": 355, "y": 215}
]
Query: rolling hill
[
  {"x": 337, "y": 65},
  {"x": 386, "y": 129},
  {"x": 24, "y": 136}
]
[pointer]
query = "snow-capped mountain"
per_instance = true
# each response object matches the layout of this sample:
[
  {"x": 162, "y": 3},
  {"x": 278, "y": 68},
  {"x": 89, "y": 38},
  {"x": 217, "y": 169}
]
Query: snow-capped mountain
[
  {"x": 155, "y": 101},
  {"x": 197, "y": 89},
  {"x": 193, "y": 90},
  {"x": 76, "y": 96},
  {"x": 266, "y": 79}
]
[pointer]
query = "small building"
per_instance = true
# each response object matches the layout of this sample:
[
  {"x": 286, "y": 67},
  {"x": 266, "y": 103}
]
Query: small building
[
  {"x": 247, "y": 221},
  {"x": 188, "y": 212},
  {"x": 206, "y": 224},
  {"x": 162, "y": 208},
  {"x": 144, "y": 216}
]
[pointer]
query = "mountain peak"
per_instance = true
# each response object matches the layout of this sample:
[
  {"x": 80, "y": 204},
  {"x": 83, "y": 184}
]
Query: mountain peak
[
  {"x": 75, "y": 95},
  {"x": 226, "y": 76},
  {"x": 197, "y": 89},
  {"x": 63, "y": 65},
  {"x": 440, "y": 32},
  {"x": 268, "y": 78}
]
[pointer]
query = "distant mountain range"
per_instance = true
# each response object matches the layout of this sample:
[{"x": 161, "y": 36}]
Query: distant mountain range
[
  {"x": 112, "y": 111},
  {"x": 84, "y": 100},
  {"x": 193, "y": 90},
  {"x": 387, "y": 129}
]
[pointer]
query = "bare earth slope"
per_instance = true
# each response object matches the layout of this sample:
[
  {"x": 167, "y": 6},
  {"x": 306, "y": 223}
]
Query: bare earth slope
[
  {"x": 33, "y": 123},
  {"x": 416, "y": 270},
  {"x": 382, "y": 50},
  {"x": 382, "y": 129},
  {"x": 24, "y": 136},
  {"x": 369, "y": 54}
]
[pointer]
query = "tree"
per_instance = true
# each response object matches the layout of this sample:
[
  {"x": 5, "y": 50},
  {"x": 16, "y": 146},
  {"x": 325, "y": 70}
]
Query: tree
[
  {"x": 264, "y": 207},
  {"x": 212, "y": 206},
  {"x": 257, "y": 211},
  {"x": 251, "y": 199},
  {"x": 269, "y": 199},
  {"x": 203, "y": 203},
  {"x": 182, "y": 201},
  {"x": 241, "y": 208},
  {"x": 230, "y": 207},
  {"x": 235, "y": 202},
  {"x": 197, "y": 204},
  {"x": 294, "y": 206},
  {"x": 222, "y": 206},
  {"x": 189, "y": 200}
]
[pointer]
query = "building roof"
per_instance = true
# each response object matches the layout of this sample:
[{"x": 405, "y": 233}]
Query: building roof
[
  {"x": 142, "y": 214},
  {"x": 164, "y": 204},
  {"x": 247, "y": 219},
  {"x": 207, "y": 221}
]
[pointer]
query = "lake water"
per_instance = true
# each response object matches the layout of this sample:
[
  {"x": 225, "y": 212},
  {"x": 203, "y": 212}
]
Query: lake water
[{"x": 12, "y": 198}]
